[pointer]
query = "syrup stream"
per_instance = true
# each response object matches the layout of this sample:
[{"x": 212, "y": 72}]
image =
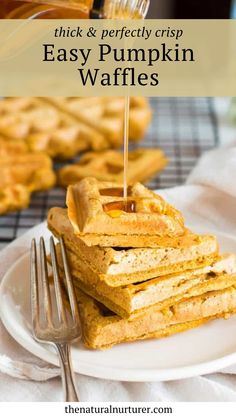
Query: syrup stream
[{"x": 126, "y": 145}]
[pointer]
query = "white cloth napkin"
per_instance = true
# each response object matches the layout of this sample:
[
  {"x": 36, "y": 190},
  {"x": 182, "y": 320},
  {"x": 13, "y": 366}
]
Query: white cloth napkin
[{"x": 210, "y": 197}]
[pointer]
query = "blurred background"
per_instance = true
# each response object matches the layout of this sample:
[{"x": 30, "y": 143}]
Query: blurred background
[{"x": 194, "y": 9}]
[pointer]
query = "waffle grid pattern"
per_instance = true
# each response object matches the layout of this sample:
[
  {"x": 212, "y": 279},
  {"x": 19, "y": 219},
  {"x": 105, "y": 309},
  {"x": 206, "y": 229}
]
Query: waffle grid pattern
[{"x": 183, "y": 127}]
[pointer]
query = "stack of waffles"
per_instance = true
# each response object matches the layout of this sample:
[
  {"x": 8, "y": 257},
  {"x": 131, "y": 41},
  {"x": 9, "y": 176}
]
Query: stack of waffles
[{"x": 138, "y": 272}]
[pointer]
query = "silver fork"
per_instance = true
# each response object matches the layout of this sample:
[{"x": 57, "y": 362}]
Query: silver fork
[{"x": 54, "y": 325}]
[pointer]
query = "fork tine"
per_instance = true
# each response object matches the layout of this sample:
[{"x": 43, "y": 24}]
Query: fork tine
[
  {"x": 45, "y": 283},
  {"x": 34, "y": 288},
  {"x": 69, "y": 283},
  {"x": 58, "y": 290}
]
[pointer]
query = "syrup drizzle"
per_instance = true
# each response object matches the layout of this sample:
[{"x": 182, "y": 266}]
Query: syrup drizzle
[
  {"x": 126, "y": 146},
  {"x": 111, "y": 192},
  {"x": 114, "y": 191}
]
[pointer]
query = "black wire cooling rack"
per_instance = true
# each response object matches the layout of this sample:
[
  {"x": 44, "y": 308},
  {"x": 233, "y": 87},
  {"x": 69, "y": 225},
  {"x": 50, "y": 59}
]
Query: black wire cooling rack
[{"x": 183, "y": 127}]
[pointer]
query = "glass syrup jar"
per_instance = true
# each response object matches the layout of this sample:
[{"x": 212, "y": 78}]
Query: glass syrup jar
[{"x": 65, "y": 9}]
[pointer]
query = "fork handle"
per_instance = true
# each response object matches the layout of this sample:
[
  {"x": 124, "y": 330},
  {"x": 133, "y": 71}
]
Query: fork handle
[{"x": 67, "y": 374}]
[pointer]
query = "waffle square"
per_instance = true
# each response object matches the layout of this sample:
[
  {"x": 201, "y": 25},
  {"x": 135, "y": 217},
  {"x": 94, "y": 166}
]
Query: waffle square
[
  {"x": 11, "y": 147},
  {"x": 59, "y": 224},
  {"x": 63, "y": 127},
  {"x": 42, "y": 127},
  {"x": 99, "y": 207},
  {"x": 108, "y": 115},
  {"x": 14, "y": 198},
  {"x": 22, "y": 174},
  {"x": 108, "y": 166}
]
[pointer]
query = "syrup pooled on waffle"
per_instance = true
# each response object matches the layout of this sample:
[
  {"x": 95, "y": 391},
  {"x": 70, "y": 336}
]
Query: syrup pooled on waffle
[{"x": 100, "y": 208}]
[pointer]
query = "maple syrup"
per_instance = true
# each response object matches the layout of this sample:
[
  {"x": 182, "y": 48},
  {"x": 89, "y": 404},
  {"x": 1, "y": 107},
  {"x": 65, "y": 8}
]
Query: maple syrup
[
  {"x": 116, "y": 208},
  {"x": 113, "y": 192},
  {"x": 126, "y": 145},
  {"x": 125, "y": 190},
  {"x": 123, "y": 206}
]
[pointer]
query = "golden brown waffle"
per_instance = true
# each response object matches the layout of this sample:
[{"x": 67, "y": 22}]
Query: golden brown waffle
[
  {"x": 106, "y": 115},
  {"x": 63, "y": 127},
  {"x": 99, "y": 208},
  {"x": 11, "y": 147},
  {"x": 21, "y": 117},
  {"x": 60, "y": 225},
  {"x": 45, "y": 128},
  {"x": 102, "y": 329},
  {"x": 123, "y": 266},
  {"x": 129, "y": 300},
  {"x": 22, "y": 174},
  {"x": 13, "y": 198},
  {"x": 108, "y": 166}
]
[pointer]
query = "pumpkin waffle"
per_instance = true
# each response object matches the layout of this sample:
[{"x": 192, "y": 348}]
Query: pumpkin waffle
[
  {"x": 106, "y": 115},
  {"x": 108, "y": 166},
  {"x": 118, "y": 266},
  {"x": 13, "y": 198},
  {"x": 60, "y": 225},
  {"x": 63, "y": 127},
  {"x": 162, "y": 291},
  {"x": 22, "y": 174},
  {"x": 11, "y": 147},
  {"x": 99, "y": 208},
  {"x": 102, "y": 329},
  {"x": 45, "y": 128}
]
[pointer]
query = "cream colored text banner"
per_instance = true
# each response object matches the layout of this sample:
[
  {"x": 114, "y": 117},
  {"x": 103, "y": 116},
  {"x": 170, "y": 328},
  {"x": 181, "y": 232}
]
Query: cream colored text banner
[{"x": 99, "y": 58}]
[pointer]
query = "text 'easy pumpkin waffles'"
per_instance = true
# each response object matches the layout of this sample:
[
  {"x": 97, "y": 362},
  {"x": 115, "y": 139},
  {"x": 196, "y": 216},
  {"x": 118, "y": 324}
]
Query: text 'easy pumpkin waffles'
[{"x": 130, "y": 292}]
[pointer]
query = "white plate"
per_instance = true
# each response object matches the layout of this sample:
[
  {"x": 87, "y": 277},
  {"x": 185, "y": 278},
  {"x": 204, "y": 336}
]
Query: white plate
[{"x": 200, "y": 351}]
